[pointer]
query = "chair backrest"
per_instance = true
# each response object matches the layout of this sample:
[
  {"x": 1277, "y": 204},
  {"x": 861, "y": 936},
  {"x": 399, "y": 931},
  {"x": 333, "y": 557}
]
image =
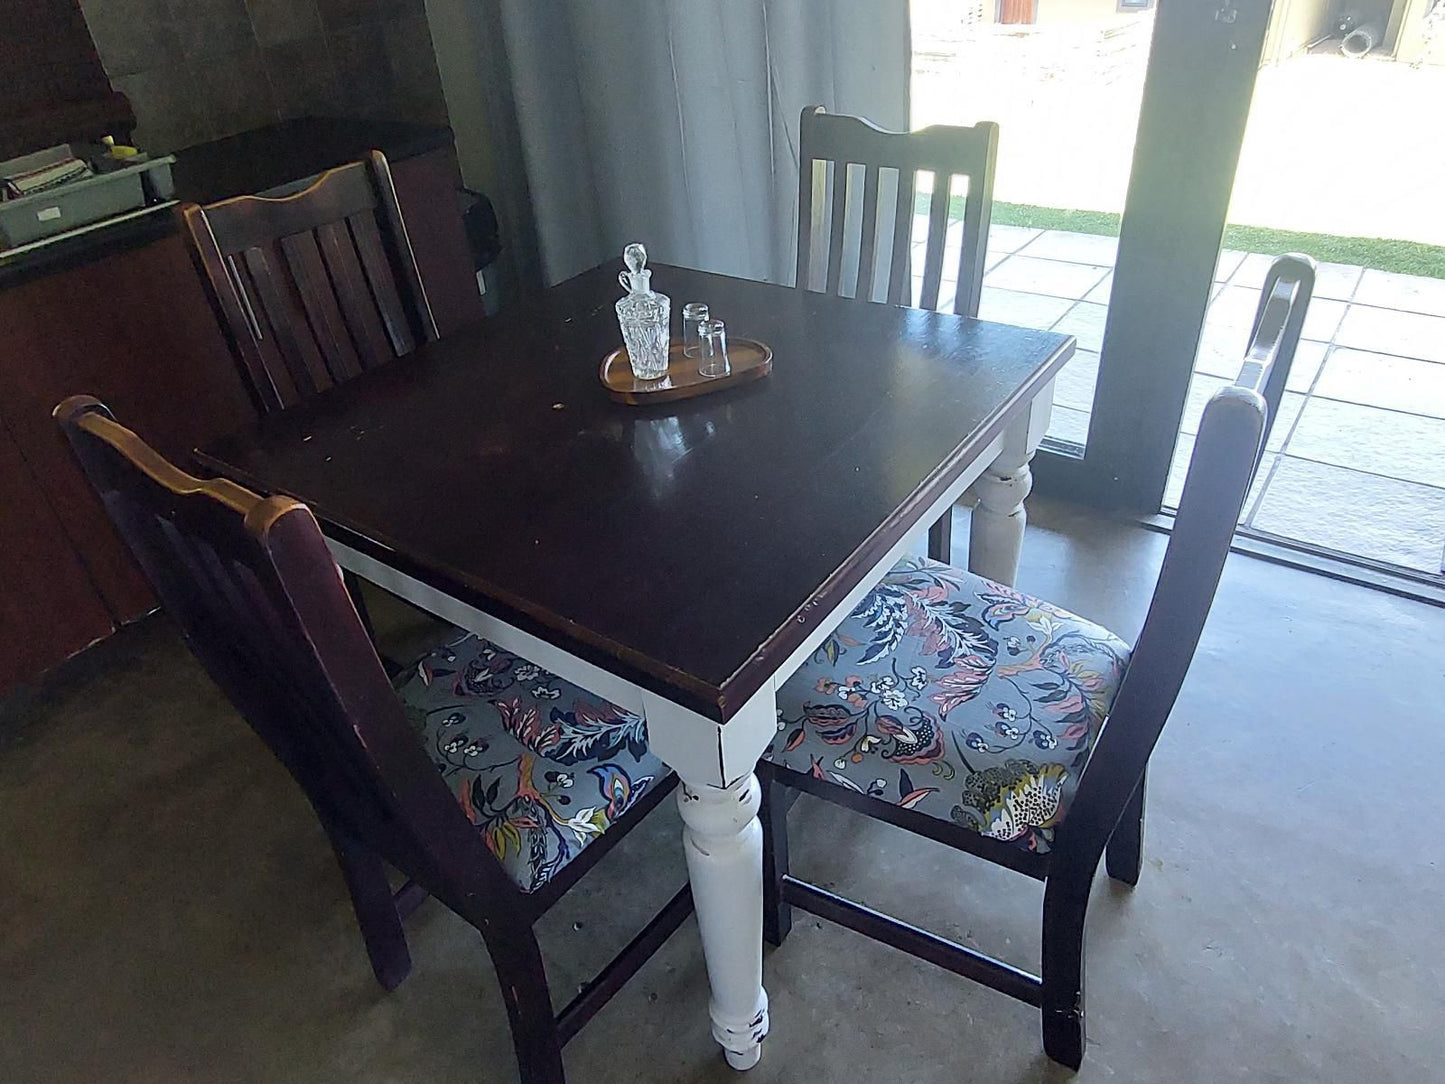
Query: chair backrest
[
  {"x": 314, "y": 287},
  {"x": 253, "y": 588},
  {"x": 845, "y": 210},
  {"x": 1227, "y": 452}
]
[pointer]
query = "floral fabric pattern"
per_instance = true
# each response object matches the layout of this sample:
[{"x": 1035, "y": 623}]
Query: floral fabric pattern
[
  {"x": 541, "y": 767},
  {"x": 955, "y": 696}
]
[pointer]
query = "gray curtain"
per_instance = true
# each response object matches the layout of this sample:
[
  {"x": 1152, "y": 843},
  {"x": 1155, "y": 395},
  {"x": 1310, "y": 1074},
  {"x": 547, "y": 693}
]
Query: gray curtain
[{"x": 675, "y": 122}]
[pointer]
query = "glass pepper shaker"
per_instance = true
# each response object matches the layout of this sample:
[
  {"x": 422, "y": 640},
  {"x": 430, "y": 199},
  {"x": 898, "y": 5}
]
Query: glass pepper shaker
[{"x": 644, "y": 316}]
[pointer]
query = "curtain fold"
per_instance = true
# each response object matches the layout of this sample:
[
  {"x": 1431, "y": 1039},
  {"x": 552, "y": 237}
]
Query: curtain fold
[{"x": 675, "y": 122}]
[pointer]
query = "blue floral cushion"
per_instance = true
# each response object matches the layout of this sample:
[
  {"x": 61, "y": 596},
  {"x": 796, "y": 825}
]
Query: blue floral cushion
[
  {"x": 955, "y": 696},
  {"x": 541, "y": 767}
]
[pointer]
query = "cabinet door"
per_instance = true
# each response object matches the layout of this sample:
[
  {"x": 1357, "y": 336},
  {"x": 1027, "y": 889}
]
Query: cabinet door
[
  {"x": 135, "y": 330},
  {"x": 49, "y": 609}
]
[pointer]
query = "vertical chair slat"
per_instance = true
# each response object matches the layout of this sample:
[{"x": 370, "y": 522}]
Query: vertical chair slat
[
  {"x": 806, "y": 171},
  {"x": 298, "y": 350},
  {"x": 900, "y": 277},
  {"x": 937, "y": 235},
  {"x": 318, "y": 299},
  {"x": 354, "y": 295},
  {"x": 276, "y": 373},
  {"x": 383, "y": 284},
  {"x": 977, "y": 215},
  {"x": 868, "y": 241},
  {"x": 838, "y": 217}
]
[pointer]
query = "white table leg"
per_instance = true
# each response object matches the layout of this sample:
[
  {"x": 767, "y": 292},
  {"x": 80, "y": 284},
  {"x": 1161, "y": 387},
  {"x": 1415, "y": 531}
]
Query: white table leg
[
  {"x": 724, "y": 845},
  {"x": 723, "y": 842},
  {"x": 996, "y": 530}
]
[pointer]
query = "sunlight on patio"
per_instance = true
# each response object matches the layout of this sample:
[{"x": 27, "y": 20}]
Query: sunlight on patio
[{"x": 1334, "y": 146}]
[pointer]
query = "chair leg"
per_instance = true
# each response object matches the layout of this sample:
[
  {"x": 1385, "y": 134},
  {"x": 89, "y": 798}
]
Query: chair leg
[
  {"x": 1124, "y": 857},
  {"x": 375, "y": 907},
  {"x": 1066, "y": 904},
  {"x": 777, "y": 914},
  {"x": 940, "y": 538},
  {"x": 523, "y": 979}
]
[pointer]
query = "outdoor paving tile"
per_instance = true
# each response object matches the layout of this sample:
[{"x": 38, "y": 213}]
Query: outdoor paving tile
[
  {"x": 1066, "y": 423},
  {"x": 1023, "y": 309},
  {"x": 1413, "y": 293},
  {"x": 1179, "y": 469},
  {"x": 1221, "y": 353},
  {"x": 1227, "y": 264},
  {"x": 1383, "y": 380},
  {"x": 1403, "y": 446},
  {"x": 1323, "y": 319},
  {"x": 1010, "y": 238},
  {"x": 1053, "y": 277},
  {"x": 1202, "y": 387},
  {"x": 1234, "y": 307},
  {"x": 1086, "y": 248},
  {"x": 1308, "y": 357},
  {"x": 1354, "y": 512},
  {"x": 1085, "y": 321},
  {"x": 1251, "y": 270},
  {"x": 1407, "y": 334},
  {"x": 1337, "y": 280},
  {"x": 1074, "y": 386},
  {"x": 1102, "y": 292}
]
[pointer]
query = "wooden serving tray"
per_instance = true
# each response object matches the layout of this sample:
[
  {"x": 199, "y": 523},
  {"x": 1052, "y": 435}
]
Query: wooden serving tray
[{"x": 748, "y": 358}]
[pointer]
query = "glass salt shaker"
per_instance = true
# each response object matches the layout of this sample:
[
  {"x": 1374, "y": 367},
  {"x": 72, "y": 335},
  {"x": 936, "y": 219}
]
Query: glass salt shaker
[
  {"x": 693, "y": 313},
  {"x": 714, "y": 342},
  {"x": 644, "y": 316}
]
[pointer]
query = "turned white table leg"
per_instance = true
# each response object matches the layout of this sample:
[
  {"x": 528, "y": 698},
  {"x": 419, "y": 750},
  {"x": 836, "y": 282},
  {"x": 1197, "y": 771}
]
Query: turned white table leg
[
  {"x": 723, "y": 843},
  {"x": 724, "y": 846},
  {"x": 996, "y": 531}
]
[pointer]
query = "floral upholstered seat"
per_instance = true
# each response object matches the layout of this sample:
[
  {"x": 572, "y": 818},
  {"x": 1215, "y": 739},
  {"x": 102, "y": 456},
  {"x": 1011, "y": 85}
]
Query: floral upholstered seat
[
  {"x": 541, "y": 767},
  {"x": 957, "y": 697}
]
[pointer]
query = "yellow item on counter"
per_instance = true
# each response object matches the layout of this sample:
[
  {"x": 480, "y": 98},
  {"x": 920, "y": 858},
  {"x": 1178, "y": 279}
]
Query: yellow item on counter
[{"x": 119, "y": 150}]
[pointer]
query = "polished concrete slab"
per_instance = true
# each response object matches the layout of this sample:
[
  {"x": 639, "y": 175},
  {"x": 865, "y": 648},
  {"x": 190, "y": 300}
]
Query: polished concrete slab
[{"x": 169, "y": 910}]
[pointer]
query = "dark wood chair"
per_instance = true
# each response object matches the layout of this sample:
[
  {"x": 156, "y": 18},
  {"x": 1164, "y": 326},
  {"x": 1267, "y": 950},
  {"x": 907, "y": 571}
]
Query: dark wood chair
[
  {"x": 456, "y": 784},
  {"x": 998, "y": 724},
  {"x": 315, "y": 287},
  {"x": 843, "y": 212}
]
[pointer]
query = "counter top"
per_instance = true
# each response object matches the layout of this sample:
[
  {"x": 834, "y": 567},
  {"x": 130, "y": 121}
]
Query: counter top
[{"x": 253, "y": 162}]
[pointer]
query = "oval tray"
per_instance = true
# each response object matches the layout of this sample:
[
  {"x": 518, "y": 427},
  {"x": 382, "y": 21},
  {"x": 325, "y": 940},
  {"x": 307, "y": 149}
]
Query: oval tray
[{"x": 748, "y": 358}]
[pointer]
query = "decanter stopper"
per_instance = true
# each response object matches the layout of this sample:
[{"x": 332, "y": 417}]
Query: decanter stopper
[{"x": 636, "y": 279}]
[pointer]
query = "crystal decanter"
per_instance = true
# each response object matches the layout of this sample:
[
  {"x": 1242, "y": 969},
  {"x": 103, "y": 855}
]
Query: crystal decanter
[{"x": 644, "y": 316}]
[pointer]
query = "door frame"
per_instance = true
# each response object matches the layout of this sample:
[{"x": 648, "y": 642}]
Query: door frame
[{"x": 1198, "y": 87}]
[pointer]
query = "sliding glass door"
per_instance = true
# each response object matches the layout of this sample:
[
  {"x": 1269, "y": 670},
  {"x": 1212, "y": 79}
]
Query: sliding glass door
[{"x": 1121, "y": 124}]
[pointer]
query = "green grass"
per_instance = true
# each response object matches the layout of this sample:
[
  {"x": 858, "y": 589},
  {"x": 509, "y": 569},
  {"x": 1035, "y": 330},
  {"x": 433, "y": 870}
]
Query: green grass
[{"x": 1409, "y": 257}]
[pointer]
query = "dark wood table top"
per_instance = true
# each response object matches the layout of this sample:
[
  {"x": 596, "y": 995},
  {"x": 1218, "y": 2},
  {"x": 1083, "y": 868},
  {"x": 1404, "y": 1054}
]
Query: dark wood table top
[{"x": 688, "y": 547}]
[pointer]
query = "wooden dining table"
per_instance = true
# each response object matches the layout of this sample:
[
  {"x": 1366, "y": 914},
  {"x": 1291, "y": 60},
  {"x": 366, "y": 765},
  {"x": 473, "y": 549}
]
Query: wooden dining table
[{"x": 682, "y": 559}]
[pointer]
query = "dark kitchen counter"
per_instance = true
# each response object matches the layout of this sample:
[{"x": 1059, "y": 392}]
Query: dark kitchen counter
[{"x": 252, "y": 162}]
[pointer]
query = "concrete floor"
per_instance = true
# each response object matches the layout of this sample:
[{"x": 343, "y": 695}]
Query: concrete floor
[{"x": 169, "y": 910}]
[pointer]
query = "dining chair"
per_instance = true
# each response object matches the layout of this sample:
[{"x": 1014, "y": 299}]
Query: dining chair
[
  {"x": 999, "y": 724},
  {"x": 858, "y": 184},
  {"x": 486, "y": 781},
  {"x": 314, "y": 287}
]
